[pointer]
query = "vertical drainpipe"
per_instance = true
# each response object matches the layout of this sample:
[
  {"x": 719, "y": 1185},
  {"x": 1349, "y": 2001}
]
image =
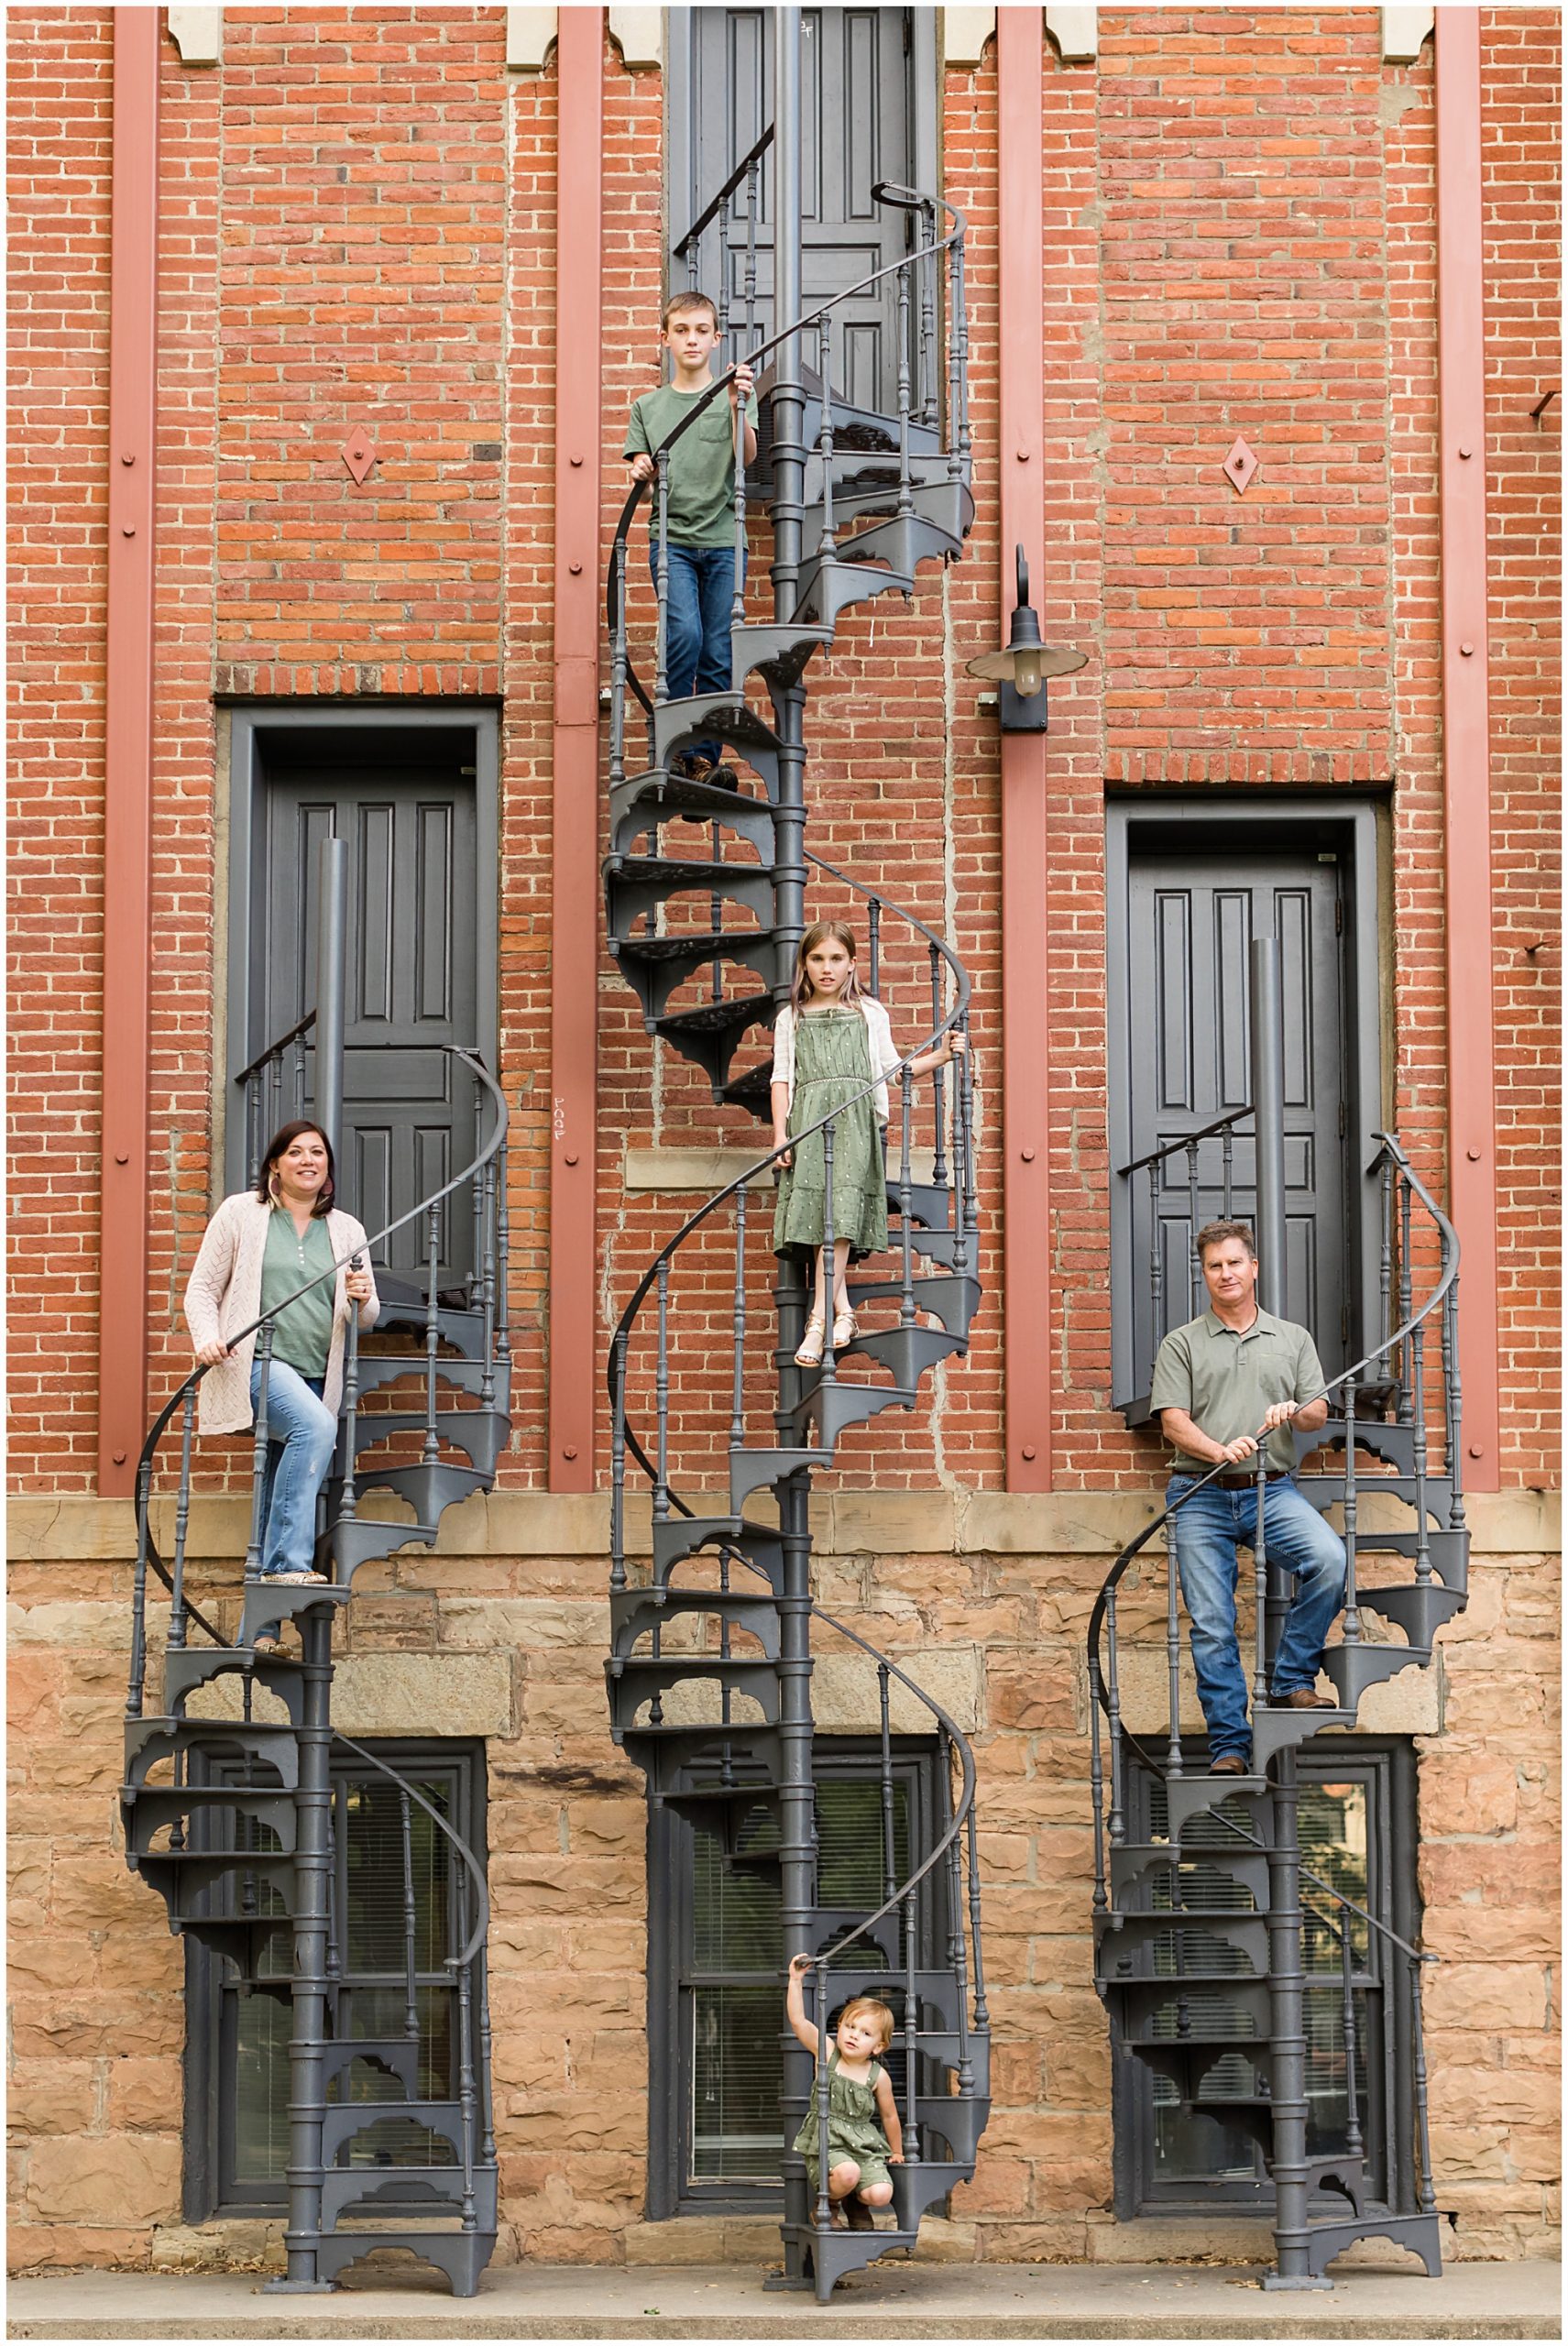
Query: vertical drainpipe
[
  {"x": 127, "y": 753},
  {"x": 1467, "y": 771},
  {"x": 574, "y": 994},
  {"x": 1025, "y": 1002}
]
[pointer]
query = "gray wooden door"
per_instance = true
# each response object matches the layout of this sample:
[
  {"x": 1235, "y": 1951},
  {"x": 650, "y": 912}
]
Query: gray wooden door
[
  {"x": 408, "y": 1116},
  {"x": 1191, "y": 920},
  {"x": 867, "y": 113}
]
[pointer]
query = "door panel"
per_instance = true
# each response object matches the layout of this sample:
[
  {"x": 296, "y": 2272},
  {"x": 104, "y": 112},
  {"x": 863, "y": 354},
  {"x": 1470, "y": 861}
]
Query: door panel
[
  {"x": 859, "y": 99},
  {"x": 1191, "y": 920},
  {"x": 412, "y": 881}
]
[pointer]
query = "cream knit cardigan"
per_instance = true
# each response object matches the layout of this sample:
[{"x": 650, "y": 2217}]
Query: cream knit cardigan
[{"x": 224, "y": 1293}]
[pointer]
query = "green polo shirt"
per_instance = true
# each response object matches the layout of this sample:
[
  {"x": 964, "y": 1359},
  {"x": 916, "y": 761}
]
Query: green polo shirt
[
  {"x": 702, "y": 463},
  {"x": 302, "y": 1334},
  {"x": 1226, "y": 1382}
]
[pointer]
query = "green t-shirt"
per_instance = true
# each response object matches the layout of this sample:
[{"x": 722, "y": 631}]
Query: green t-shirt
[
  {"x": 1226, "y": 1382},
  {"x": 302, "y": 1335},
  {"x": 702, "y": 463}
]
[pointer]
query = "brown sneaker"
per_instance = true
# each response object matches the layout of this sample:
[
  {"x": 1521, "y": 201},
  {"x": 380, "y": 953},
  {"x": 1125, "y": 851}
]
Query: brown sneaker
[
  {"x": 1230, "y": 1763},
  {"x": 1302, "y": 1698},
  {"x": 860, "y": 2215}
]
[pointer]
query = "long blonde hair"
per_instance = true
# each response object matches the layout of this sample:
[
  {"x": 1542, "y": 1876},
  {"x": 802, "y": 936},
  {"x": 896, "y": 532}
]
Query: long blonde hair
[{"x": 823, "y": 932}]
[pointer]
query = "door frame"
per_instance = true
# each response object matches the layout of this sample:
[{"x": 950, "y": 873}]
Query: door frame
[
  {"x": 1351, "y": 827},
  {"x": 250, "y": 725}
]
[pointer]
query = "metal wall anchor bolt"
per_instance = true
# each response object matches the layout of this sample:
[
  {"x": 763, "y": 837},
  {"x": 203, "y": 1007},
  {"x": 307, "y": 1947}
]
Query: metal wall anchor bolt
[{"x": 1240, "y": 466}]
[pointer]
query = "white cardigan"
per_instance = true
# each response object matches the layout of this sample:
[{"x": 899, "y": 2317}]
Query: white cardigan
[
  {"x": 225, "y": 1292},
  {"x": 878, "y": 1034}
]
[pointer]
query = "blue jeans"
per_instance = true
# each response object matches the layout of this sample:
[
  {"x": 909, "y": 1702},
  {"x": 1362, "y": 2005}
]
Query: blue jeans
[
  {"x": 697, "y": 625},
  {"x": 1208, "y": 1531},
  {"x": 301, "y": 1438}
]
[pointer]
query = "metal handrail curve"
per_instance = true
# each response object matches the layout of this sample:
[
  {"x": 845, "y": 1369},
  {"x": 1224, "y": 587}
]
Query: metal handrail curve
[
  {"x": 145, "y": 1544},
  {"x": 476, "y": 1937}
]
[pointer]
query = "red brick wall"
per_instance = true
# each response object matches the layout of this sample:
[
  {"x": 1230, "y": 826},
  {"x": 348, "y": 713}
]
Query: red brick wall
[
  {"x": 58, "y": 109},
  {"x": 1521, "y": 73},
  {"x": 358, "y": 227}
]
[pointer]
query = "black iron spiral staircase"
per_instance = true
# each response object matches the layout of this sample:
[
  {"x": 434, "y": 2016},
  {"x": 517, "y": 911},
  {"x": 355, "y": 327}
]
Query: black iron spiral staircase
[
  {"x": 227, "y": 1805},
  {"x": 710, "y": 1669},
  {"x": 1198, "y": 1935}
]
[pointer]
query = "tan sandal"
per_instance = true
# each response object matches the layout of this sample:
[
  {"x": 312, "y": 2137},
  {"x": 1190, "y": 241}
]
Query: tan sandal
[
  {"x": 811, "y": 1345},
  {"x": 845, "y": 1330}
]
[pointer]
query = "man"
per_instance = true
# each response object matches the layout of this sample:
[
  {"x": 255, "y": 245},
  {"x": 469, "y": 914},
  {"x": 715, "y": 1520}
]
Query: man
[{"x": 1217, "y": 1383}]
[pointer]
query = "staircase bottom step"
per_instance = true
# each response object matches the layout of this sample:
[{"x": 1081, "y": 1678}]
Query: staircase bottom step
[
  {"x": 461, "y": 2255},
  {"x": 1422, "y": 2233},
  {"x": 831, "y": 2255}
]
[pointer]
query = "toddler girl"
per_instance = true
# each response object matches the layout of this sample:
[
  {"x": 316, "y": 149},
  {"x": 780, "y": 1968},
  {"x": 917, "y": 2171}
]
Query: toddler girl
[{"x": 864, "y": 2137}]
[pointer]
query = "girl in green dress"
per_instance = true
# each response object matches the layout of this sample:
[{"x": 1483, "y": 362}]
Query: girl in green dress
[
  {"x": 830, "y": 1042},
  {"x": 864, "y": 2137}
]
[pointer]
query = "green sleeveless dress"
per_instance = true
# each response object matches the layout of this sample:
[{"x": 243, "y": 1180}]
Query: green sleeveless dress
[
  {"x": 832, "y": 1063},
  {"x": 854, "y": 2129}
]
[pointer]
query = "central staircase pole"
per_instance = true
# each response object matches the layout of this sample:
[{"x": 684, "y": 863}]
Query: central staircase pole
[{"x": 307, "y": 2044}]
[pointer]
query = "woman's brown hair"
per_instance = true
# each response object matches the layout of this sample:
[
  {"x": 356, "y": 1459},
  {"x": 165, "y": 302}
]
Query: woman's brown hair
[{"x": 285, "y": 1138}]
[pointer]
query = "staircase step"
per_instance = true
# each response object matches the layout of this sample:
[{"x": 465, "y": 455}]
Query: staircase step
[
  {"x": 147, "y": 1808},
  {"x": 1189, "y": 1796},
  {"x": 263, "y": 1603},
  {"x": 1139, "y": 2000},
  {"x": 778, "y": 653},
  {"x": 832, "y": 2254},
  {"x": 686, "y": 1535},
  {"x": 945, "y": 505},
  {"x": 1352, "y": 1669},
  {"x": 759, "y": 1470},
  {"x": 957, "y": 2120},
  {"x": 369, "y": 1537},
  {"x": 464, "y": 1330},
  {"x": 182, "y": 1876},
  {"x": 344, "y": 2121},
  {"x": 481, "y": 1433},
  {"x": 656, "y": 966},
  {"x": 149, "y": 1742},
  {"x": 753, "y": 1090},
  {"x": 461, "y": 2255},
  {"x": 830, "y": 584},
  {"x": 710, "y": 1033},
  {"x": 630, "y": 1684},
  {"x": 430, "y": 1487},
  {"x": 663, "y": 1753},
  {"x": 636, "y": 885},
  {"x": 398, "y": 2056},
  {"x": 908, "y": 1352},
  {"x": 377, "y": 1370},
  {"x": 952, "y": 1297},
  {"x": 634, "y": 1612},
  {"x": 645, "y": 800},
  {"x": 835, "y": 1402},
  {"x": 1274, "y": 1730},
  {"x": 1133, "y": 1939},
  {"x": 921, "y": 2185},
  {"x": 193, "y": 1666},
  {"x": 726, "y": 717},
  {"x": 1419, "y": 1608},
  {"x": 1133, "y": 1863},
  {"x": 426, "y": 2189},
  {"x": 1422, "y": 2233}
]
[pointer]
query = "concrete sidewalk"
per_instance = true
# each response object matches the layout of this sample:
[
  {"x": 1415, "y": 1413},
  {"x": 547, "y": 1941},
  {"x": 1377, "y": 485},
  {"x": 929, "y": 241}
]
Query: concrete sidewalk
[{"x": 894, "y": 2301}]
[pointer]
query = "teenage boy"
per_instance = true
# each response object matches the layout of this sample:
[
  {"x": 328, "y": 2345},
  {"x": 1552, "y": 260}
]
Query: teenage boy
[{"x": 701, "y": 502}]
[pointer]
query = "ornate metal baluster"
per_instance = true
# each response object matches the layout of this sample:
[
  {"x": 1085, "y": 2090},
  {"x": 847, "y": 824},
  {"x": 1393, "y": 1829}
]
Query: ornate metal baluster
[
  {"x": 1194, "y": 1267},
  {"x": 488, "y": 1282},
  {"x": 960, "y": 311},
  {"x": 824, "y": 2214},
  {"x": 136, "y": 1689},
  {"x": 1452, "y": 1401},
  {"x": 905, "y": 499},
  {"x": 1406, "y": 1278},
  {"x": 467, "y": 2099},
  {"x": 889, "y": 1858},
  {"x": 1385, "y": 1256},
  {"x": 349, "y": 1435},
  {"x": 963, "y": 1152},
  {"x": 1172, "y": 1650},
  {"x": 433, "y": 1338},
  {"x": 662, "y": 663},
  {"x": 982, "y": 2009},
  {"x": 661, "y": 1398},
  {"x": 617, "y": 664},
  {"x": 1347, "y": 2022},
  {"x": 618, "y": 1469},
  {"x": 825, "y": 543},
  {"x": 751, "y": 282},
  {"x": 938, "y": 1083},
  {"x": 1418, "y": 1449},
  {"x": 181, "y": 1522},
  {"x": 1227, "y": 1169},
  {"x": 1351, "y": 1504},
  {"x": 873, "y": 929},
  {"x": 911, "y": 2032},
  {"x": 906, "y": 1202},
  {"x": 1156, "y": 1263},
  {"x": 828, "y": 1291},
  {"x": 738, "y": 591},
  {"x": 715, "y": 916},
  {"x": 503, "y": 1245},
  {"x": 1423, "y": 2129},
  {"x": 738, "y": 1395},
  {"x": 1260, "y": 1580},
  {"x": 410, "y": 1924},
  {"x": 926, "y": 261},
  {"x": 1117, "y": 1823},
  {"x": 259, "y": 1454},
  {"x": 1097, "y": 1784}
]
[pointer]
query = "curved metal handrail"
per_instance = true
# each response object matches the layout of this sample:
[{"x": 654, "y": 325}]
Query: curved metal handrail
[
  {"x": 613, "y": 586},
  {"x": 146, "y": 1547},
  {"x": 476, "y": 1937}
]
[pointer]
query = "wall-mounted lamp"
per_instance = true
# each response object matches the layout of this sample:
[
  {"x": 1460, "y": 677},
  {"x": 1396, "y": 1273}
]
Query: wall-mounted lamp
[{"x": 1021, "y": 671}]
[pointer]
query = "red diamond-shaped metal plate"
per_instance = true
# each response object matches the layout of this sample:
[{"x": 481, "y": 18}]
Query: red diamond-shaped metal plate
[
  {"x": 359, "y": 453},
  {"x": 1240, "y": 466}
]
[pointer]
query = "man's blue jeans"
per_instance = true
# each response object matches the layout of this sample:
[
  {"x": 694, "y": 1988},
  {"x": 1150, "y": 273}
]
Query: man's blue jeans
[
  {"x": 697, "y": 625},
  {"x": 1207, "y": 1530},
  {"x": 301, "y": 1437}
]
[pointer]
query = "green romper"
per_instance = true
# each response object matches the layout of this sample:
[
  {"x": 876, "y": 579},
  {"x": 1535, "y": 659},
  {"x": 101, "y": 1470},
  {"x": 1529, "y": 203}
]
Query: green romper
[
  {"x": 832, "y": 1062},
  {"x": 854, "y": 2130}
]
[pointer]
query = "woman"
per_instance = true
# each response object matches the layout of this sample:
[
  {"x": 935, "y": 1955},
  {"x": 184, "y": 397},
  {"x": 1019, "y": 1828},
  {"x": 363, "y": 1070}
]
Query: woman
[{"x": 261, "y": 1248}]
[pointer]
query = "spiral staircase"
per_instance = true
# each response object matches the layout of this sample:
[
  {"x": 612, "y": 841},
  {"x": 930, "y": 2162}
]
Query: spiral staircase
[
  {"x": 1198, "y": 1935},
  {"x": 708, "y": 1675},
  {"x": 227, "y": 1804}
]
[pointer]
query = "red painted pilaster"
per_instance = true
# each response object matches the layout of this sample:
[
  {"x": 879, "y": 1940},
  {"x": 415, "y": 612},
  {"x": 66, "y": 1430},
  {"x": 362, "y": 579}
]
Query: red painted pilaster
[
  {"x": 127, "y": 770},
  {"x": 1466, "y": 770},
  {"x": 575, "y": 741},
  {"x": 1025, "y": 1018}
]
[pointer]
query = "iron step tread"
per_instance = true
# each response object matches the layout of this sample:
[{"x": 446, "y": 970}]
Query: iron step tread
[
  {"x": 699, "y": 943},
  {"x": 740, "y": 1011},
  {"x": 696, "y": 872}
]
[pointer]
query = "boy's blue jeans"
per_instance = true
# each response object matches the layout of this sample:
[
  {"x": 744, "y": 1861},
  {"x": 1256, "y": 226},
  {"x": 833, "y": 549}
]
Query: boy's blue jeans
[
  {"x": 1208, "y": 1531},
  {"x": 301, "y": 1437},
  {"x": 697, "y": 625}
]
